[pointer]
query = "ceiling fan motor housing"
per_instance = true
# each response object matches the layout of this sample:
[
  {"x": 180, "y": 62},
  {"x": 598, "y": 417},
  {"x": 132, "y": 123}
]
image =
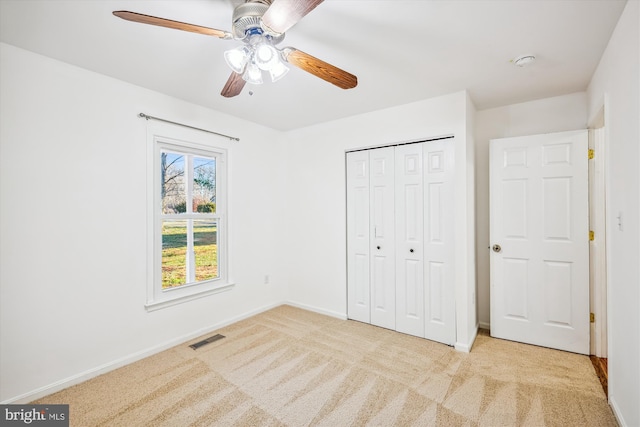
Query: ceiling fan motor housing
[{"x": 248, "y": 16}]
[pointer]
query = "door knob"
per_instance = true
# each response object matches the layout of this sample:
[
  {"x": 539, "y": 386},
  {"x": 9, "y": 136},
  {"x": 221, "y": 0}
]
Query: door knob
[
  {"x": 496, "y": 248},
  {"x": 411, "y": 250},
  {"x": 378, "y": 247}
]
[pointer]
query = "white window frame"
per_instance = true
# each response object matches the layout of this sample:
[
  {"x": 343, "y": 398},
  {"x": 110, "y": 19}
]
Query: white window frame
[{"x": 191, "y": 144}]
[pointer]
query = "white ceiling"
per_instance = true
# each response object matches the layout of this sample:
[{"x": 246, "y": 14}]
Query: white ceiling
[{"x": 401, "y": 51}]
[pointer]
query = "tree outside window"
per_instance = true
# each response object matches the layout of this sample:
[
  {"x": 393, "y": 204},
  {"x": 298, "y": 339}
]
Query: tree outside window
[{"x": 189, "y": 219}]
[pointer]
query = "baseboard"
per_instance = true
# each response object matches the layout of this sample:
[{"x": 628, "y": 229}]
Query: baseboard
[
  {"x": 118, "y": 363},
  {"x": 466, "y": 347},
  {"x": 484, "y": 325},
  {"x": 616, "y": 412},
  {"x": 342, "y": 316}
]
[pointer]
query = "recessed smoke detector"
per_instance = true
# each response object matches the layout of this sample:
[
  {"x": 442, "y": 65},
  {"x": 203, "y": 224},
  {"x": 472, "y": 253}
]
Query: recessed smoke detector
[{"x": 524, "y": 60}]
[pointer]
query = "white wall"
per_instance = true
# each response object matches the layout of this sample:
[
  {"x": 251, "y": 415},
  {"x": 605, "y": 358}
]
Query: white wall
[
  {"x": 562, "y": 113},
  {"x": 316, "y": 214},
  {"x": 73, "y": 221},
  {"x": 616, "y": 86}
]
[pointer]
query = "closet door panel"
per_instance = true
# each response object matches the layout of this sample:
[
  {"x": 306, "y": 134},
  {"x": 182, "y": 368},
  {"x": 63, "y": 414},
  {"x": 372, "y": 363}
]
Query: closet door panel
[
  {"x": 358, "y": 237},
  {"x": 383, "y": 294},
  {"x": 438, "y": 242},
  {"x": 409, "y": 240}
]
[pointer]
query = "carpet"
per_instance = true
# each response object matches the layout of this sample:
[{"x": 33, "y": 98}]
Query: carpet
[{"x": 291, "y": 367}]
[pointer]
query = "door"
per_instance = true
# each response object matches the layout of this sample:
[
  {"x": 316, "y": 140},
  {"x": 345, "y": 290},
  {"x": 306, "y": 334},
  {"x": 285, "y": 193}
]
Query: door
[
  {"x": 370, "y": 241},
  {"x": 358, "y": 246},
  {"x": 409, "y": 240},
  {"x": 383, "y": 286},
  {"x": 439, "y": 271},
  {"x": 540, "y": 240}
]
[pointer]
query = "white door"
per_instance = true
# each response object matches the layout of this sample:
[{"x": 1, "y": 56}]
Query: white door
[
  {"x": 540, "y": 240},
  {"x": 358, "y": 306},
  {"x": 383, "y": 286},
  {"x": 439, "y": 271},
  {"x": 409, "y": 240}
]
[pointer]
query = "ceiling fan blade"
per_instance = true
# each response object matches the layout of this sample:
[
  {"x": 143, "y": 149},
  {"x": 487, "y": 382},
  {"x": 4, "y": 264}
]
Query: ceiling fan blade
[
  {"x": 321, "y": 69},
  {"x": 234, "y": 85},
  {"x": 284, "y": 14},
  {"x": 162, "y": 22}
]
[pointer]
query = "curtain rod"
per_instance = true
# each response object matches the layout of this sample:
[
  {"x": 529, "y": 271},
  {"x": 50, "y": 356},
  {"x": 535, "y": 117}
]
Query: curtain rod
[{"x": 145, "y": 116}]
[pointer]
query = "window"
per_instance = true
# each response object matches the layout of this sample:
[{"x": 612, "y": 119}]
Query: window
[{"x": 189, "y": 222}]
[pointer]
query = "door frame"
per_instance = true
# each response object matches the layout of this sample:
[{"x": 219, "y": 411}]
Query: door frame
[{"x": 599, "y": 207}]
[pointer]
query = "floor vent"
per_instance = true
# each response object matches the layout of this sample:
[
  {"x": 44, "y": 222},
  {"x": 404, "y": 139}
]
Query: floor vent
[{"x": 199, "y": 344}]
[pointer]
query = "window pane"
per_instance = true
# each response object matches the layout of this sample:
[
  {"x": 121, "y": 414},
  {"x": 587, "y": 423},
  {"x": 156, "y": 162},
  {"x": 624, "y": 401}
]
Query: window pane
[
  {"x": 205, "y": 245},
  {"x": 172, "y": 181},
  {"x": 204, "y": 184},
  {"x": 174, "y": 253}
]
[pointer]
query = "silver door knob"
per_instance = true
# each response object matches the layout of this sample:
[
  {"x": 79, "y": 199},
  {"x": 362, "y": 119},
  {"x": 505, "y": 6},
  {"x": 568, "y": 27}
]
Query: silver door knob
[{"x": 496, "y": 248}]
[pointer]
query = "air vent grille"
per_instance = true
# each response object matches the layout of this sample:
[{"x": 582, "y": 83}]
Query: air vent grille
[{"x": 206, "y": 341}]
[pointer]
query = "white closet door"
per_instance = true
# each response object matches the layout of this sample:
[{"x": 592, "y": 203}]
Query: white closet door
[
  {"x": 409, "y": 240},
  {"x": 358, "y": 296},
  {"x": 383, "y": 287},
  {"x": 439, "y": 304}
]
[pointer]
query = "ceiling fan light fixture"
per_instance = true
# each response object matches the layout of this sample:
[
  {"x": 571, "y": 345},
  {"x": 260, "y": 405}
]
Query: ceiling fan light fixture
[
  {"x": 237, "y": 58},
  {"x": 278, "y": 71},
  {"x": 266, "y": 56},
  {"x": 252, "y": 74}
]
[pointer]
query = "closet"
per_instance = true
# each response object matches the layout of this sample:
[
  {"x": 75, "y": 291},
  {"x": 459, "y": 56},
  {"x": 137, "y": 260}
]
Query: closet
[{"x": 400, "y": 252}]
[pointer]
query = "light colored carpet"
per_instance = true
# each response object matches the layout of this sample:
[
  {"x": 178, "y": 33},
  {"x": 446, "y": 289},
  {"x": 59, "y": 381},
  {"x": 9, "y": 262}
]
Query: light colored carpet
[{"x": 290, "y": 367}]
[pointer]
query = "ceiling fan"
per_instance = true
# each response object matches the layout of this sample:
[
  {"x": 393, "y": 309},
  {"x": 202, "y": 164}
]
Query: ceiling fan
[{"x": 261, "y": 26}]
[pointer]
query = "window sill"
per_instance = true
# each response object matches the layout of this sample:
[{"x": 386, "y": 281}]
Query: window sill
[{"x": 158, "y": 305}]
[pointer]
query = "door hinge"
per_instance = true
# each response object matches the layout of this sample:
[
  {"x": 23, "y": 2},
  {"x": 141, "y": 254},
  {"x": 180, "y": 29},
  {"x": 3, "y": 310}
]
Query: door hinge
[
  {"x": 592, "y": 235},
  {"x": 592, "y": 153},
  {"x": 592, "y": 317}
]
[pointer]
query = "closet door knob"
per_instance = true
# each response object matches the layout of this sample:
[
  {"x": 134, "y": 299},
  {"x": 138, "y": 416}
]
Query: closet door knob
[
  {"x": 411, "y": 250},
  {"x": 378, "y": 247}
]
